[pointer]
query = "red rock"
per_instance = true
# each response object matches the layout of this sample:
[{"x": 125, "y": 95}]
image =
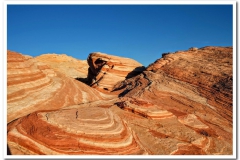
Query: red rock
[
  {"x": 33, "y": 86},
  {"x": 67, "y": 65},
  {"x": 106, "y": 70},
  {"x": 193, "y": 85},
  {"x": 86, "y": 130},
  {"x": 180, "y": 105}
]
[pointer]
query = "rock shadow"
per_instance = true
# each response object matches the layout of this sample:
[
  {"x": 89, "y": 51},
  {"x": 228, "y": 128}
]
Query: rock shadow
[
  {"x": 84, "y": 80},
  {"x": 135, "y": 72}
]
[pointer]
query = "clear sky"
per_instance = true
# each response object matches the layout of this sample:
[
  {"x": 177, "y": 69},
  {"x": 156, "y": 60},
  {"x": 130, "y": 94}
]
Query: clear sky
[{"x": 140, "y": 32}]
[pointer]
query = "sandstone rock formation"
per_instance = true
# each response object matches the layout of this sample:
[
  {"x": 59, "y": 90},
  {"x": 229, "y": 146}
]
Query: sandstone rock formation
[
  {"x": 106, "y": 70},
  {"x": 108, "y": 130},
  {"x": 180, "y": 105},
  {"x": 89, "y": 130},
  {"x": 67, "y": 65},
  {"x": 194, "y": 85},
  {"x": 33, "y": 86}
]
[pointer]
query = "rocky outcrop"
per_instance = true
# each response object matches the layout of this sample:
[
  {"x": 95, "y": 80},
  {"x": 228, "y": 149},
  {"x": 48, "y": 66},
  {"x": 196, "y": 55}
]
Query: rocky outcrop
[
  {"x": 89, "y": 130},
  {"x": 67, "y": 65},
  {"x": 33, "y": 86},
  {"x": 144, "y": 108},
  {"x": 93, "y": 129},
  {"x": 193, "y": 85},
  {"x": 208, "y": 70},
  {"x": 182, "y": 104},
  {"x": 106, "y": 70}
]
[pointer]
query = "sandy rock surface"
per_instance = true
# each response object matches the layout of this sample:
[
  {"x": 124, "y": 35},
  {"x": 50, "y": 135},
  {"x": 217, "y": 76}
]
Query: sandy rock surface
[
  {"x": 182, "y": 104},
  {"x": 32, "y": 86},
  {"x": 67, "y": 65}
]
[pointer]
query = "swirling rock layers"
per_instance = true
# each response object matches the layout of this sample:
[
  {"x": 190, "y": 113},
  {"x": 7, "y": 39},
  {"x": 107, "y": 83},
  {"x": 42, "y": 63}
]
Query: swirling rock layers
[
  {"x": 180, "y": 105},
  {"x": 194, "y": 85},
  {"x": 209, "y": 69},
  {"x": 144, "y": 109},
  {"x": 33, "y": 86},
  {"x": 67, "y": 65},
  {"x": 87, "y": 130},
  {"x": 106, "y": 70}
]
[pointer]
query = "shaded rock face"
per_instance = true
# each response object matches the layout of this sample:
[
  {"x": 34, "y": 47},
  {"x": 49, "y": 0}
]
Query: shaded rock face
[
  {"x": 180, "y": 105},
  {"x": 106, "y": 70},
  {"x": 67, "y": 65},
  {"x": 33, "y": 86}
]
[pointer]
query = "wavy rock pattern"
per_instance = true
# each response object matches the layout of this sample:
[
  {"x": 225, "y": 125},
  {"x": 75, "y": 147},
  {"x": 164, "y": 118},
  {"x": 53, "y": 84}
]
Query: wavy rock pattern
[
  {"x": 208, "y": 68},
  {"x": 90, "y": 130},
  {"x": 33, "y": 86},
  {"x": 87, "y": 130},
  {"x": 67, "y": 65},
  {"x": 180, "y": 105},
  {"x": 144, "y": 109},
  {"x": 194, "y": 85},
  {"x": 106, "y": 70}
]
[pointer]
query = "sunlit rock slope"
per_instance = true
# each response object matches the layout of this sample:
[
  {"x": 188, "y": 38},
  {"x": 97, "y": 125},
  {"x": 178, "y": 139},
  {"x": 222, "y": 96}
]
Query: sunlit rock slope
[
  {"x": 67, "y": 65},
  {"x": 182, "y": 104},
  {"x": 33, "y": 86}
]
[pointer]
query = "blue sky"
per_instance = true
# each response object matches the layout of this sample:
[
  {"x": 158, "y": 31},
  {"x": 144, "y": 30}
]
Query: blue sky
[{"x": 140, "y": 32}]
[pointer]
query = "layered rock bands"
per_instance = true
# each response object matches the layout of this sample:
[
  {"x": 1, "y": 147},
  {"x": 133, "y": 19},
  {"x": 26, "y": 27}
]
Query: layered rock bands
[
  {"x": 182, "y": 104},
  {"x": 32, "y": 86},
  {"x": 194, "y": 85},
  {"x": 67, "y": 65},
  {"x": 106, "y": 70}
]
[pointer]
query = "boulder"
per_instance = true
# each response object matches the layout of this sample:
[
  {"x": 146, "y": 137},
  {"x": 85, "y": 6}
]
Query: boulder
[{"x": 106, "y": 70}]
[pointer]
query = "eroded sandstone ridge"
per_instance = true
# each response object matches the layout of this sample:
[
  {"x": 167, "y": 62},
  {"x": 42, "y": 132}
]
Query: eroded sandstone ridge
[
  {"x": 32, "y": 86},
  {"x": 180, "y": 105},
  {"x": 67, "y": 65},
  {"x": 106, "y": 70},
  {"x": 195, "y": 86}
]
